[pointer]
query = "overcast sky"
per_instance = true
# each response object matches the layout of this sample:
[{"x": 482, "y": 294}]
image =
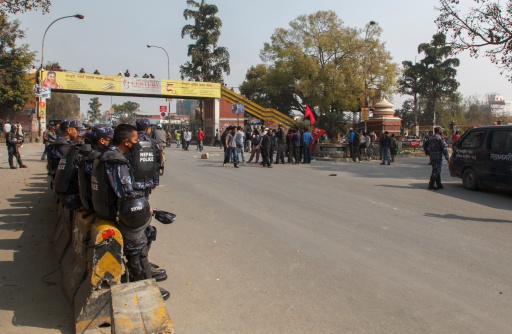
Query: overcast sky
[{"x": 113, "y": 37}]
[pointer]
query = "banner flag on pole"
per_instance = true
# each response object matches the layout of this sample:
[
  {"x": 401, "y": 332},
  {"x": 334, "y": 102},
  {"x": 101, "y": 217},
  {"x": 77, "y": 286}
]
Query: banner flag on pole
[{"x": 309, "y": 115}]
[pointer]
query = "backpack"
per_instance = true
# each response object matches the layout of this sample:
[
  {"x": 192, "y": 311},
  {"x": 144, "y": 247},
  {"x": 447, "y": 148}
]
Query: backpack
[
  {"x": 355, "y": 141},
  {"x": 256, "y": 140}
]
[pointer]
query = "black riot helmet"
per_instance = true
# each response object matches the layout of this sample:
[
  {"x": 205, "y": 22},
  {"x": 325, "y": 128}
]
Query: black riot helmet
[{"x": 134, "y": 212}]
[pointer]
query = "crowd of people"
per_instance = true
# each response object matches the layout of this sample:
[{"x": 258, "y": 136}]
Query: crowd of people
[{"x": 112, "y": 173}]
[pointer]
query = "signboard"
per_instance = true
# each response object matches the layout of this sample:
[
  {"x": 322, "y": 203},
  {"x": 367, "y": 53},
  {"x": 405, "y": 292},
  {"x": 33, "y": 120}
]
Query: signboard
[
  {"x": 364, "y": 114},
  {"x": 118, "y": 84},
  {"x": 238, "y": 108},
  {"x": 163, "y": 109},
  {"x": 41, "y": 110},
  {"x": 163, "y": 114}
]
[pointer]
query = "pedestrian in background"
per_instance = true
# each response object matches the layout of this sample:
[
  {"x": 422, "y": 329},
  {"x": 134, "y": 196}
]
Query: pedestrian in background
[
  {"x": 12, "y": 141},
  {"x": 217, "y": 139},
  {"x": 393, "y": 146},
  {"x": 256, "y": 141},
  {"x": 248, "y": 140},
  {"x": 239, "y": 138},
  {"x": 187, "y": 137},
  {"x": 200, "y": 137},
  {"x": 178, "y": 138},
  {"x": 267, "y": 146},
  {"x": 231, "y": 147},
  {"x": 385, "y": 149},
  {"x": 356, "y": 141},
  {"x": 308, "y": 141},
  {"x": 48, "y": 138},
  {"x": 281, "y": 142},
  {"x": 289, "y": 143},
  {"x": 296, "y": 145}
]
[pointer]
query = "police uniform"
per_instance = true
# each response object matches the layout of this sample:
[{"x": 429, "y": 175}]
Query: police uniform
[
  {"x": 11, "y": 140},
  {"x": 437, "y": 149},
  {"x": 111, "y": 188},
  {"x": 59, "y": 146},
  {"x": 66, "y": 173}
]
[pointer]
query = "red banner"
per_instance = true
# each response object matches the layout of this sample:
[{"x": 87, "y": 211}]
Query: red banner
[{"x": 316, "y": 133}]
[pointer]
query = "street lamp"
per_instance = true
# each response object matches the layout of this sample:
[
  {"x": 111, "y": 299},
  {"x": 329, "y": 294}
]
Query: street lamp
[
  {"x": 169, "y": 78},
  {"x": 42, "y": 120},
  {"x": 371, "y": 23}
]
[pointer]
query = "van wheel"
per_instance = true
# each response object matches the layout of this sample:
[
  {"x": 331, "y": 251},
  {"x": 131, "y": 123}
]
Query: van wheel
[{"x": 469, "y": 180}]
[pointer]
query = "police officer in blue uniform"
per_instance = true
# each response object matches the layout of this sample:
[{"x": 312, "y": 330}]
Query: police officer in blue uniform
[
  {"x": 115, "y": 199},
  {"x": 69, "y": 129},
  {"x": 437, "y": 149},
  {"x": 146, "y": 161},
  {"x": 101, "y": 137}
]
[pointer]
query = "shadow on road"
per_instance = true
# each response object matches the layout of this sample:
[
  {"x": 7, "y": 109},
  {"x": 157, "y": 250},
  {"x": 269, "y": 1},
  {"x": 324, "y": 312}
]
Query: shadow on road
[
  {"x": 29, "y": 281},
  {"x": 453, "y": 217}
]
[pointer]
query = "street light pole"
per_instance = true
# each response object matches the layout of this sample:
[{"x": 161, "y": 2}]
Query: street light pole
[
  {"x": 371, "y": 23},
  {"x": 42, "y": 120},
  {"x": 168, "y": 78}
]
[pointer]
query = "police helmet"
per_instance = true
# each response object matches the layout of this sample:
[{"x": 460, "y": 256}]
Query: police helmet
[
  {"x": 69, "y": 123},
  {"x": 134, "y": 212},
  {"x": 102, "y": 131},
  {"x": 142, "y": 124}
]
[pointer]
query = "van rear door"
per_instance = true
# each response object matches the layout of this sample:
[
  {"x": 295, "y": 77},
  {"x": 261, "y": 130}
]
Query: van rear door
[{"x": 500, "y": 157}]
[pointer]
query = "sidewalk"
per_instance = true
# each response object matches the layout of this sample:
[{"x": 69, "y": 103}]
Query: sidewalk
[{"x": 31, "y": 299}]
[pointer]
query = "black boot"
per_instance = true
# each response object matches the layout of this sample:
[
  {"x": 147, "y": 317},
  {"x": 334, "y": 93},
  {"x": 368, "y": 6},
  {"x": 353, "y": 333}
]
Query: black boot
[
  {"x": 158, "y": 274},
  {"x": 438, "y": 182},
  {"x": 431, "y": 185}
]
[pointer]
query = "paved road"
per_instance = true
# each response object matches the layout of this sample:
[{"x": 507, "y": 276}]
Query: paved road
[{"x": 294, "y": 250}]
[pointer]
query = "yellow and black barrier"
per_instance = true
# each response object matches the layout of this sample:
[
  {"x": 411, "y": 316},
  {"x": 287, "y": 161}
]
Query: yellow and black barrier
[
  {"x": 90, "y": 252},
  {"x": 105, "y": 257}
]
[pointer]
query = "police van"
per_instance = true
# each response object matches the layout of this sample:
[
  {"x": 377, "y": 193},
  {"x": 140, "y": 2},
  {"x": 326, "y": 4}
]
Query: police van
[{"x": 483, "y": 156}]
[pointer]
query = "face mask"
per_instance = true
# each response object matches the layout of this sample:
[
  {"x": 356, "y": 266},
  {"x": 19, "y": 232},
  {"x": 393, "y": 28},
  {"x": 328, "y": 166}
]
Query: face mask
[{"x": 135, "y": 146}]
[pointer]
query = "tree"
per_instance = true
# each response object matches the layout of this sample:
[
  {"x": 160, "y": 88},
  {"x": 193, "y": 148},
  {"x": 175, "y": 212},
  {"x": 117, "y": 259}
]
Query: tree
[
  {"x": 127, "y": 107},
  {"x": 438, "y": 79},
  {"x": 62, "y": 106},
  {"x": 22, "y": 6},
  {"x": 15, "y": 89},
  {"x": 208, "y": 61},
  {"x": 319, "y": 62},
  {"x": 94, "y": 111},
  {"x": 485, "y": 28},
  {"x": 409, "y": 84}
]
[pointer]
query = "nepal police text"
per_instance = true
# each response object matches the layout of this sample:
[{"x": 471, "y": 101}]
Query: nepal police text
[{"x": 146, "y": 157}]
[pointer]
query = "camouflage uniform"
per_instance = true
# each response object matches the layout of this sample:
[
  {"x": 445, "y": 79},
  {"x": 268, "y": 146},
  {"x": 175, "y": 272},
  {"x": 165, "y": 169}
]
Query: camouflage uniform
[{"x": 437, "y": 148}]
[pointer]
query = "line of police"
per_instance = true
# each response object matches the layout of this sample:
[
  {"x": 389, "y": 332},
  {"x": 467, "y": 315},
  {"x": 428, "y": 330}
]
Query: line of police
[{"x": 111, "y": 173}]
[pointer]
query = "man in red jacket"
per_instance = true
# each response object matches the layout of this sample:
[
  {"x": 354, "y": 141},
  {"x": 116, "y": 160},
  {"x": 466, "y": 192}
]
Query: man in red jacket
[{"x": 200, "y": 137}]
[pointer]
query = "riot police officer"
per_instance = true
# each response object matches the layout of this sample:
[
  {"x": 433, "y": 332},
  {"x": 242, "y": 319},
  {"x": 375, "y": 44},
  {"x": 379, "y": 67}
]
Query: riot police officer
[
  {"x": 437, "y": 148},
  {"x": 12, "y": 141},
  {"x": 101, "y": 137},
  {"x": 114, "y": 199},
  {"x": 69, "y": 129},
  {"x": 146, "y": 160},
  {"x": 66, "y": 176}
]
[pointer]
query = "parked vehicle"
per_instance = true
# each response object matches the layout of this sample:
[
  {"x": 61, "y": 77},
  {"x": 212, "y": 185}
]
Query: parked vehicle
[{"x": 483, "y": 156}]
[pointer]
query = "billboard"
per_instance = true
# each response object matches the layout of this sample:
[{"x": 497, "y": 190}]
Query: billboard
[{"x": 104, "y": 84}]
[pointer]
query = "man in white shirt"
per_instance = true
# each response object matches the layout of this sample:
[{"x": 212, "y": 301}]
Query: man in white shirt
[
  {"x": 239, "y": 138},
  {"x": 187, "y": 137}
]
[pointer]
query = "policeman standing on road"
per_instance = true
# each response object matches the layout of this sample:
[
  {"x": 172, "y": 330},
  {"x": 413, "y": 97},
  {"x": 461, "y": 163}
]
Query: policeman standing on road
[
  {"x": 114, "y": 198},
  {"x": 145, "y": 161},
  {"x": 437, "y": 148},
  {"x": 13, "y": 150}
]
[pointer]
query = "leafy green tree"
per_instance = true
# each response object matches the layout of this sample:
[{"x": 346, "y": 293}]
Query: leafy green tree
[
  {"x": 438, "y": 80},
  {"x": 15, "y": 89},
  {"x": 62, "y": 106},
  {"x": 409, "y": 84},
  {"x": 319, "y": 62},
  {"x": 94, "y": 112},
  {"x": 22, "y": 6},
  {"x": 208, "y": 61},
  {"x": 127, "y": 107},
  {"x": 483, "y": 29}
]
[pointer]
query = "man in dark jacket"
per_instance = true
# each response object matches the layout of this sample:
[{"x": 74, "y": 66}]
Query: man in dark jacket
[
  {"x": 267, "y": 146},
  {"x": 280, "y": 144},
  {"x": 386, "y": 143},
  {"x": 13, "y": 142}
]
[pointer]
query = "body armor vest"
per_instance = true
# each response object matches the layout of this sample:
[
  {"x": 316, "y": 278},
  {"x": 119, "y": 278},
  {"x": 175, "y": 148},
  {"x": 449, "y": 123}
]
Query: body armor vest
[
  {"x": 66, "y": 181},
  {"x": 52, "y": 162},
  {"x": 84, "y": 182},
  {"x": 103, "y": 197},
  {"x": 143, "y": 161}
]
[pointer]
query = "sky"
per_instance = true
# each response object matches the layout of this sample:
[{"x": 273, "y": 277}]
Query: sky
[{"x": 113, "y": 37}]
